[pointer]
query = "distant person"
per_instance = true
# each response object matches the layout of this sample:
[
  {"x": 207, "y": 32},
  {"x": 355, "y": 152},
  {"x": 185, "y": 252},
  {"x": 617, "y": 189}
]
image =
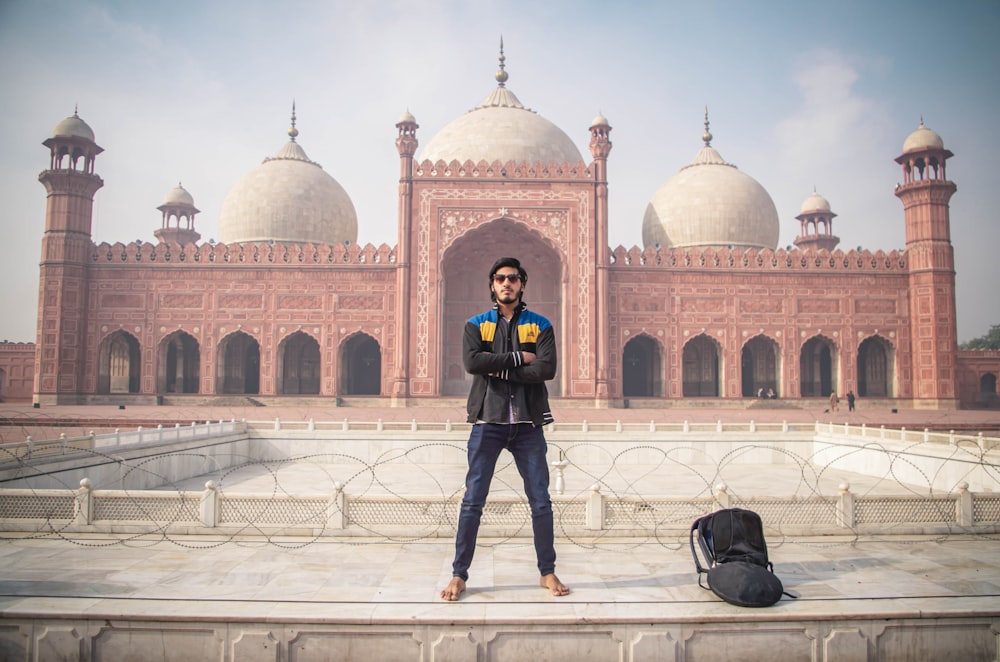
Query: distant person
[
  {"x": 850, "y": 401},
  {"x": 771, "y": 395},
  {"x": 760, "y": 392},
  {"x": 834, "y": 401},
  {"x": 510, "y": 352}
]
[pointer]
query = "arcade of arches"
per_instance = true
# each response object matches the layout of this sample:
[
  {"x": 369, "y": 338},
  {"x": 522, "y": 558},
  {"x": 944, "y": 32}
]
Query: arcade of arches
[{"x": 238, "y": 369}]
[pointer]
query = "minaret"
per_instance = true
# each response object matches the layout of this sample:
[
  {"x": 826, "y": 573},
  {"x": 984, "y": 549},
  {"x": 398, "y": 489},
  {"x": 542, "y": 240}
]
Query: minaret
[
  {"x": 406, "y": 145},
  {"x": 816, "y": 224},
  {"x": 178, "y": 218},
  {"x": 600, "y": 148},
  {"x": 70, "y": 184},
  {"x": 925, "y": 193}
]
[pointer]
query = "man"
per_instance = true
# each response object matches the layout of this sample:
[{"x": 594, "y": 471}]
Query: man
[{"x": 511, "y": 352}]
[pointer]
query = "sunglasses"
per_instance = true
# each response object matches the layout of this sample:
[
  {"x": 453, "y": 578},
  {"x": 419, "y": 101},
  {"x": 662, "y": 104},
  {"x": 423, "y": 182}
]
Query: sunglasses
[{"x": 499, "y": 278}]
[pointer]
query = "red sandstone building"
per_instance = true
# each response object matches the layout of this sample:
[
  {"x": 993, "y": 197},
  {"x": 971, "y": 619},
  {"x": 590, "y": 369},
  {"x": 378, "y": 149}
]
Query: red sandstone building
[{"x": 289, "y": 304}]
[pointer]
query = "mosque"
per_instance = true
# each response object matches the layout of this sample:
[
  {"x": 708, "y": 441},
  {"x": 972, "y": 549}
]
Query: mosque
[{"x": 290, "y": 304}]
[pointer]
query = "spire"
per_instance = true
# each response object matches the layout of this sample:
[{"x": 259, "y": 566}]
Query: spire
[
  {"x": 293, "y": 132},
  {"x": 501, "y": 75},
  {"x": 707, "y": 136}
]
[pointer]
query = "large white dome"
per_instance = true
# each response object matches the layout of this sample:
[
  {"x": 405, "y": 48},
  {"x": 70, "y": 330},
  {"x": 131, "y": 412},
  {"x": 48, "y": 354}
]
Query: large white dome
[
  {"x": 288, "y": 198},
  {"x": 711, "y": 203},
  {"x": 501, "y": 129}
]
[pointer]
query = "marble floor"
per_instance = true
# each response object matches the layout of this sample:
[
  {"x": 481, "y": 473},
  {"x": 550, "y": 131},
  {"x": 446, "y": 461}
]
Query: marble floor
[{"x": 367, "y": 580}]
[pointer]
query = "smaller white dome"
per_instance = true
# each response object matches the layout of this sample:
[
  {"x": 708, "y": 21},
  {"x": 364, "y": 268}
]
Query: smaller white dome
[
  {"x": 600, "y": 120},
  {"x": 73, "y": 127},
  {"x": 815, "y": 202},
  {"x": 407, "y": 118},
  {"x": 178, "y": 196},
  {"x": 922, "y": 138}
]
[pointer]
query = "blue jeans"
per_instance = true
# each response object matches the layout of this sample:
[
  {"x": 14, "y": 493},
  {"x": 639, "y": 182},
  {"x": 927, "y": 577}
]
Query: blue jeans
[{"x": 527, "y": 444}]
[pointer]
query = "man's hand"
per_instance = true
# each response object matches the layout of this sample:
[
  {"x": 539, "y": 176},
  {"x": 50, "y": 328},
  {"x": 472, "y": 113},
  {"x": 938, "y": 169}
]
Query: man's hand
[{"x": 528, "y": 357}]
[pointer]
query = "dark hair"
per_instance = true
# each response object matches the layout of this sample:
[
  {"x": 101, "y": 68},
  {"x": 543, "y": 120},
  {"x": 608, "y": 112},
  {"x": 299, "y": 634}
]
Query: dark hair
[{"x": 506, "y": 262}]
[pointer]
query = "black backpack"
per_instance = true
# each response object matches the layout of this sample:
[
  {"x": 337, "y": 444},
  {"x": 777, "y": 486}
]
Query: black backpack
[{"x": 732, "y": 542}]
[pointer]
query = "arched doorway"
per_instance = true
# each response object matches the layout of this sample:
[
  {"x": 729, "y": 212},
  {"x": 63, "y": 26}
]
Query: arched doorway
[
  {"x": 988, "y": 389},
  {"x": 642, "y": 372},
  {"x": 360, "y": 366},
  {"x": 761, "y": 365},
  {"x": 875, "y": 369},
  {"x": 817, "y": 368},
  {"x": 299, "y": 365},
  {"x": 119, "y": 364},
  {"x": 179, "y": 364},
  {"x": 465, "y": 290},
  {"x": 239, "y": 365},
  {"x": 700, "y": 372}
]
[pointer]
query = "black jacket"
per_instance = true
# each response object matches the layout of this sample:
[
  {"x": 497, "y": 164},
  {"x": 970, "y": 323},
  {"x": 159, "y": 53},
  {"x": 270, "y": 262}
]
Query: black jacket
[{"x": 500, "y": 373}]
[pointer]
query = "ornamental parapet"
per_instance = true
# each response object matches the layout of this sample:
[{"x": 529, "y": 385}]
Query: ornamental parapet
[
  {"x": 760, "y": 259},
  {"x": 257, "y": 253},
  {"x": 508, "y": 170}
]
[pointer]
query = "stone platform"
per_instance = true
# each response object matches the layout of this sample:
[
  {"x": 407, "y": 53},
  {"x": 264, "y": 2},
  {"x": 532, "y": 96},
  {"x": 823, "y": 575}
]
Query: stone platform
[
  {"x": 156, "y": 597},
  {"x": 115, "y": 598}
]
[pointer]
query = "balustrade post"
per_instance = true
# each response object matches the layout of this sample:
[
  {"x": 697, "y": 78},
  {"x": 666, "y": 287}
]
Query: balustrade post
[
  {"x": 687, "y": 426},
  {"x": 83, "y": 506},
  {"x": 595, "y": 509},
  {"x": 138, "y": 435},
  {"x": 277, "y": 423},
  {"x": 447, "y": 425},
  {"x": 618, "y": 426},
  {"x": 559, "y": 466},
  {"x": 722, "y": 499},
  {"x": 413, "y": 425},
  {"x": 652, "y": 426},
  {"x": 927, "y": 434},
  {"x": 963, "y": 507},
  {"x": 753, "y": 425},
  {"x": 209, "y": 506},
  {"x": 718, "y": 425},
  {"x": 312, "y": 425},
  {"x": 337, "y": 518},
  {"x": 380, "y": 426},
  {"x": 845, "y": 507}
]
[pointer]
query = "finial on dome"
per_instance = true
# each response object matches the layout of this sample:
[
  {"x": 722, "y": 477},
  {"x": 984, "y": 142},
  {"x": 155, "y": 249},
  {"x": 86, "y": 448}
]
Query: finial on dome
[
  {"x": 76, "y": 110},
  {"x": 707, "y": 136},
  {"x": 293, "y": 132},
  {"x": 501, "y": 75}
]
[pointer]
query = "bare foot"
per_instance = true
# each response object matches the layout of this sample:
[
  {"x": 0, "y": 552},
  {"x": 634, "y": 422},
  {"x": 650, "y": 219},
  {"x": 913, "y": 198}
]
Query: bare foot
[
  {"x": 454, "y": 589},
  {"x": 556, "y": 587}
]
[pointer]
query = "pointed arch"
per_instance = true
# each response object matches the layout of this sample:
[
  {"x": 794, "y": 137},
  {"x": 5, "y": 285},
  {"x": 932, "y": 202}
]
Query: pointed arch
[
  {"x": 239, "y": 364},
  {"x": 178, "y": 365},
  {"x": 360, "y": 364},
  {"x": 642, "y": 368},
  {"x": 299, "y": 366},
  {"x": 818, "y": 367},
  {"x": 702, "y": 367},
  {"x": 465, "y": 290},
  {"x": 119, "y": 364},
  {"x": 988, "y": 388},
  {"x": 760, "y": 366},
  {"x": 876, "y": 369}
]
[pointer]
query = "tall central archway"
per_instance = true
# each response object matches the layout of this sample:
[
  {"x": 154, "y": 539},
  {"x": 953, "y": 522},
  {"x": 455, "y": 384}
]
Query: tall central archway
[{"x": 465, "y": 269}]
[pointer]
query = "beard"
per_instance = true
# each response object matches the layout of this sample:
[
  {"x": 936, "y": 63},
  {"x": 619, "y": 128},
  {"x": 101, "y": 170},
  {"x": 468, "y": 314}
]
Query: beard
[{"x": 507, "y": 297}]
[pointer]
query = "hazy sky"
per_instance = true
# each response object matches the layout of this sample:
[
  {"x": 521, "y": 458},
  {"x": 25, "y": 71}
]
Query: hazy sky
[{"x": 801, "y": 96}]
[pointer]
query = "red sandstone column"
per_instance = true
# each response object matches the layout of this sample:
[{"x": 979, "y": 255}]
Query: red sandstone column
[
  {"x": 406, "y": 144},
  {"x": 600, "y": 147}
]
